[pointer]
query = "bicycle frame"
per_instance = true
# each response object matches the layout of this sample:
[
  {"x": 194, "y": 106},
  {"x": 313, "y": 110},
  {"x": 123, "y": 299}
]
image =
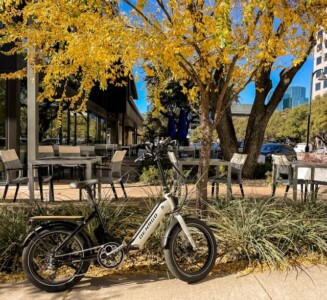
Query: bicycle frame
[{"x": 158, "y": 213}]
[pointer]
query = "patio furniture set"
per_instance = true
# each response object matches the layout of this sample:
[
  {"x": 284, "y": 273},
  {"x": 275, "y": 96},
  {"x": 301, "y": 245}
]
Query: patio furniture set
[
  {"x": 85, "y": 160},
  {"x": 80, "y": 158}
]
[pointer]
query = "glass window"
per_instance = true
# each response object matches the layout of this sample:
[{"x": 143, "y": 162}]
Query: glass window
[
  {"x": 318, "y": 85},
  {"x": 318, "y": 60},
  {"x": 325, "y": 84},
  {"x": 319, "y": 47},
  {"x": 2, "y": 122},
  {"x": 2, "y": 113}
]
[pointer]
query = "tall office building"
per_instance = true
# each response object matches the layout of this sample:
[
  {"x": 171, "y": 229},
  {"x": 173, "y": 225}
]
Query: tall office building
[
  {"x": 293, "y": 97},
  {"x": 319, "y": 88}
]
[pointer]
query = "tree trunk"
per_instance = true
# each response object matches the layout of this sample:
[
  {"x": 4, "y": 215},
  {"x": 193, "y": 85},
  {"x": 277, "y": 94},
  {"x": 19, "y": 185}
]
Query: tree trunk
[
  {"x": 260, "y": 114},
  {"x": 206, "y": 131},
  {"x": 226, "y": 133},
  {"x": 254, "y": 138}
]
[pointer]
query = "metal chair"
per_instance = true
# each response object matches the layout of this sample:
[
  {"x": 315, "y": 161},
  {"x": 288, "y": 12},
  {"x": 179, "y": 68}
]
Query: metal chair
[
  {"x": 114, "y": 172},
  {"x": 46, "y": 151},
  {"x": 14, "y": 175},
  {"x": 67, "y": 151},
  {"x": 87, "y": 150},
  {"x": 237, "y": 161},
  {"x": 186, "y": 151},
  {"x": 282, "y": 173}
]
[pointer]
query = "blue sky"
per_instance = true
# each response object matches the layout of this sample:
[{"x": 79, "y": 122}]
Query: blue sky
[{"x": 302, "y": 78}]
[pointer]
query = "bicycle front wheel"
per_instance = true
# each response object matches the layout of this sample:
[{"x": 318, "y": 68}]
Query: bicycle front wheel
[
  {"x": 188, "y": 264},
  {"x": 55, "y": 272}
]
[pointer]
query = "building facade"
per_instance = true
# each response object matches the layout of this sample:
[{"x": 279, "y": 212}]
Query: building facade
[
  {"x": 111, "y": 115},
  {"x": 293, "y": 97},
  {"x": 319, "y": 88}
]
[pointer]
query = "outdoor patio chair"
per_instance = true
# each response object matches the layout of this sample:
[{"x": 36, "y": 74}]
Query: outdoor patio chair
[
  {"x": 14, "y": 175},
  {"x": 46, "y": 151},
  {"x": 113, "y": 172},
  {"x": 87, "y": 150},
  {"x": 67, "y": 151},
  {"x": 282, "y": 173},
  {"x": 237, "y": 161}
]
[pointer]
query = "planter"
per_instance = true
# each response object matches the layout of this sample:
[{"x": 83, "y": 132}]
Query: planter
[{"x": 312, "y": 157}]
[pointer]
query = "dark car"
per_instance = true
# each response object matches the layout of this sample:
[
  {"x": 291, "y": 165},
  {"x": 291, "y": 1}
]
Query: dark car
[{"x": 268, "y": 149}]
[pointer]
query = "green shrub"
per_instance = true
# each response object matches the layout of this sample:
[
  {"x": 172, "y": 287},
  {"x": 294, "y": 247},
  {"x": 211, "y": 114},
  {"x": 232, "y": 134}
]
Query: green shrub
[
  {"x": 119, "y": 220},
  {"x": 246, "y": 229},
  {"x": 265, "y": 232},
  {"x": 150, "y": 175},
  {"x": 13, "y": 230},
  {"x": 262, "y": 169}
]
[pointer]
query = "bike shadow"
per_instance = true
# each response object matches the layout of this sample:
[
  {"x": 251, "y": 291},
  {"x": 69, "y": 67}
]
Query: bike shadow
[{"x": 118, "y": 286}]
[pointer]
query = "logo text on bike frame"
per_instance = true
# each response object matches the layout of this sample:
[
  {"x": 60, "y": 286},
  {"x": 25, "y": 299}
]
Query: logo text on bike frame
[{"x": 150, "y": 224}]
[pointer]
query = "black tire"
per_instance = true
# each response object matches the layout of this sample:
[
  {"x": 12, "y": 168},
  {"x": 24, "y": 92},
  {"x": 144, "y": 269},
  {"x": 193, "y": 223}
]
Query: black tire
[
  {"x": 55, "y": 274},
  {"x": 185, "y": 263}
]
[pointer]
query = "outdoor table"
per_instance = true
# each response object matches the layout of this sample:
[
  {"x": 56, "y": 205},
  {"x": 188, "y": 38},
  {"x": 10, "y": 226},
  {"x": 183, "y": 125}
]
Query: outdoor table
[
  {"x": 185, "y": 150},
  {"x": 127, "y": 148},
  {"x": 311, "y": 171},
  {"x": 79, "y": 160},
  {"x": 212, "y": 162}
]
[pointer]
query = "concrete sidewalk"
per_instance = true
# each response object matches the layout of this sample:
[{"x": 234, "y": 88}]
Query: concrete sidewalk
[{"x": 309, "y": 283}]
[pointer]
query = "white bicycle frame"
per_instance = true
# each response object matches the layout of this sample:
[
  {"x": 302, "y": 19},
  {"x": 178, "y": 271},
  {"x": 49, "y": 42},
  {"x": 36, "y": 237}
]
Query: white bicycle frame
[{"x": 158, "y": 213}]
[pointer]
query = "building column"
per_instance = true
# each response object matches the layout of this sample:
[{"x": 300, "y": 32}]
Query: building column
[{"x": 33, "y": 122}]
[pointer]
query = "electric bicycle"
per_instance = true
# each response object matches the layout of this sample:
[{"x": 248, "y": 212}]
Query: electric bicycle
[{"x": 58, "y": 252}]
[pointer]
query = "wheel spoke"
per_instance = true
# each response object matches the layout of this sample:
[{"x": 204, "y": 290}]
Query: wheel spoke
[{"x": 49, "y": 269}]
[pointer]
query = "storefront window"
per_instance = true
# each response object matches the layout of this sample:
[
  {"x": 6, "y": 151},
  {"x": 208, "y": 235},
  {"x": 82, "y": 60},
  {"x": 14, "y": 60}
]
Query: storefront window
[
  {"x": 2, "y": 122},
  {"x": 2, "y": 113}
]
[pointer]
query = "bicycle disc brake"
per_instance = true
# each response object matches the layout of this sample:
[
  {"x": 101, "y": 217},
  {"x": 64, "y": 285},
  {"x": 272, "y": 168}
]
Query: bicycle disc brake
[{"x": 110, "y": 260}]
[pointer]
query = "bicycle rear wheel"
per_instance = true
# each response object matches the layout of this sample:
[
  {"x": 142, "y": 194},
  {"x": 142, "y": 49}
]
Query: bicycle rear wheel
[
  {"x": 55, "y": 272},
  {"x": 182, "y": 260}
]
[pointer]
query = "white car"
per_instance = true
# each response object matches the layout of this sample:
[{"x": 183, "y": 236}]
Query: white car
[
  {"x": 320, "y": 151},
  {"x": 300, "y": 148}
]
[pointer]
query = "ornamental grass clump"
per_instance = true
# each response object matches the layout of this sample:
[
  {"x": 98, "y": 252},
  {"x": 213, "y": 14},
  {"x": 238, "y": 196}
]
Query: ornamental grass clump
[
  {"x": 266, "y": 232},
  {"x": 13, "y": 230}
]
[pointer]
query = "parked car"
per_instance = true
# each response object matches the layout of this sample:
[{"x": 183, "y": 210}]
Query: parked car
[
  {"x": 320, "y": 151},
  {"x": 268, "y": 149},
  {"x": 300, "y": 148}
]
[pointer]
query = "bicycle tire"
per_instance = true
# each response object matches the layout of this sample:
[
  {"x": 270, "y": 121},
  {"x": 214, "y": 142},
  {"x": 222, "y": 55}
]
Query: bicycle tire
[
  {"x": 52, "y": 274},
  {"x": 185, "y": 263}
]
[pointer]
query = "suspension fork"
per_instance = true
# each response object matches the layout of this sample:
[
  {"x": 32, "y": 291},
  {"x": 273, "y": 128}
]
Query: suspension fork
[
  {"x": 169, "y": 197},
  {"x": 185, "y": 229}
]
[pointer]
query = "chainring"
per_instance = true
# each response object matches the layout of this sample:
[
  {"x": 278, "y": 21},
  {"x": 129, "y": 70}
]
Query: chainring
[{"x": 110, "y": 261}]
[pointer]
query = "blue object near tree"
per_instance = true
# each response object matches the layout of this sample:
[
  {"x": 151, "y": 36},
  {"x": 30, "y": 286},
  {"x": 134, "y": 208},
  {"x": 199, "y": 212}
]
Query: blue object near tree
[
  {"x": 171, "y": 126},
  {"x": 182, "y": 128}
]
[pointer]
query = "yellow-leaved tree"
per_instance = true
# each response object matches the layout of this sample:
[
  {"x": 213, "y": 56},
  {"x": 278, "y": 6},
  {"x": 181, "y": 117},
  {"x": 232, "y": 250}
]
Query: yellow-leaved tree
[{"x": 220, "y": 46}]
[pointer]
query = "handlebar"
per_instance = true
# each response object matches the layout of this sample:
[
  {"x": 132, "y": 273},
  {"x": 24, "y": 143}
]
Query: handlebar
[
  {"x": 159, "y": 153},
  {"x": 153, "y": 152}
]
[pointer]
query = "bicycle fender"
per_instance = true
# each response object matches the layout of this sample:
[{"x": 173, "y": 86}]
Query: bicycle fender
[
  {"x": 49, "y": 225},
  {"x": 166, "y": 237}
]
